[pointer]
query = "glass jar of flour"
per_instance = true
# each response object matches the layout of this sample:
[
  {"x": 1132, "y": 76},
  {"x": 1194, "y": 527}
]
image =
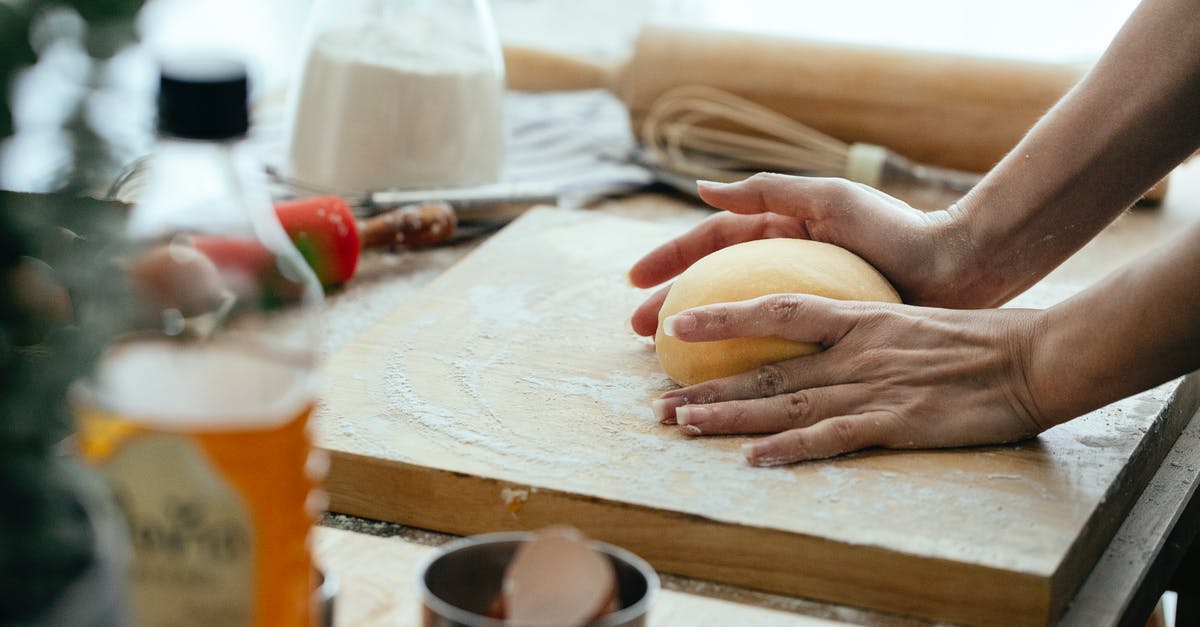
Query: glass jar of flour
[{"x": 398, "y": 94}]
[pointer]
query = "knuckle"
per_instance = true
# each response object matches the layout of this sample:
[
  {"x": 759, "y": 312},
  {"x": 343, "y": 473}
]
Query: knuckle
[
  {"x": 799, "y": 447},
  {"x": 769, "y": 380},
  {"x": 888, "y": 430},
  {"x": 839, "y": 193},
  {"x": 676, "y": 253},
  {"x": 874, "y": 315},
  {"x": 785, "y": 308},
  {"x": 716, "y": 316},
  {"x": 767, "y": 178},
  {"x": 736, "y": 419},
  {"x": 707, "y": 393},
  {"x": 799, "y": 407},
  {"x": 721, "y": 224},
  {"x": 845, "y": 434}
]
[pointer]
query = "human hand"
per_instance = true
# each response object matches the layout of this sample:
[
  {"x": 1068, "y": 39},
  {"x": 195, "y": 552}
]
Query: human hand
[
  {"x": 893, "y": 376},
  {"x": 921, "y": 253}
]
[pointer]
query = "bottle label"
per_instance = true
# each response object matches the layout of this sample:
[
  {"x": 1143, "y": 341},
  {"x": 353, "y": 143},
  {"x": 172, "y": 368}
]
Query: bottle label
[{"x": 191, "y": 533}]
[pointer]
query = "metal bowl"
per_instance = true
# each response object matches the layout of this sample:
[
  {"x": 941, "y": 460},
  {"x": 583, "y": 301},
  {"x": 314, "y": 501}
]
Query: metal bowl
[{"x": 459, "y": 584}]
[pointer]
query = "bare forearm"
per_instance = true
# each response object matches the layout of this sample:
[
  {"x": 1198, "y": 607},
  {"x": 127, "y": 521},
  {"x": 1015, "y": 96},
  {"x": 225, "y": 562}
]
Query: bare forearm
[
  {"x": 1134, "y": 117},
  {"x": 1136, "y": 329}
]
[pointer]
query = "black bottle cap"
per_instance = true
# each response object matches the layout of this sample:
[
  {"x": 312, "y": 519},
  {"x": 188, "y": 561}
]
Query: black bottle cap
[{"x": 203, "y": 99}]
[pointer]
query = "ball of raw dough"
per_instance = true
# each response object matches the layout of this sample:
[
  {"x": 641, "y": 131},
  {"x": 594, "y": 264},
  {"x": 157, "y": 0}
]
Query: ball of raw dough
[{"x": 749, "y": 270}]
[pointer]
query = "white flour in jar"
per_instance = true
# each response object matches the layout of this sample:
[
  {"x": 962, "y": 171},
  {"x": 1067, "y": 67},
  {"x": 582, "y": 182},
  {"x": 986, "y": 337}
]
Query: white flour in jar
[{"x": 386, "y": 105}]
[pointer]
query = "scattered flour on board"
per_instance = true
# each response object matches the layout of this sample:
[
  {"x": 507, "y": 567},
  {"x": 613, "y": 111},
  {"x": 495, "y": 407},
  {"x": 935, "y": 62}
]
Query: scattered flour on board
[
  {"x": 383, "y": 282},
  {"x": 451, "y": 429},
  {"x": 500, "y": 308},
  {"x": 669, "y": 470},
  {"x": 469, "y": 371},
  {"x": 617, "y": 394}
]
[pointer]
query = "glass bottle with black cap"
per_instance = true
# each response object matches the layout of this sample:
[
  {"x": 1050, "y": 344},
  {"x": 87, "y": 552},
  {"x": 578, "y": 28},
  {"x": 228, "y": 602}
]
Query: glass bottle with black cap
[{"x": 197, "y": 416}]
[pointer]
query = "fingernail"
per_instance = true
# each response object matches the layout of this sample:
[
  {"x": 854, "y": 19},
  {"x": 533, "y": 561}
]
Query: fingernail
[
  {"x": 691, "y": 429},
  {"x": 691, "y": 415},
  {"x": 703, "y": 184},
  {"x": 761, "y": 453},
  {"x": 659, "y": 406},
  {"x": 664, "y": 409},
  {"x": 679, "y": 323}
]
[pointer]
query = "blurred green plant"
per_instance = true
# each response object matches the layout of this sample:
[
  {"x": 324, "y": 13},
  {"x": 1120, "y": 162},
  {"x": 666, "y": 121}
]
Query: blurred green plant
[{"x": 59, "y": 305}]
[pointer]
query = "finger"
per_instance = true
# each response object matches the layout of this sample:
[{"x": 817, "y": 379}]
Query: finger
[
  {"x": 805, "y": 372},
  {"x": 783, "y": 412},
  {"x": 645, "y": 317},
  {"x": 799, "y": 317},
  {"x": 714, "y": 233},
  {"x": 804, "y": 197},
  {"x": 828, "y": 438}
]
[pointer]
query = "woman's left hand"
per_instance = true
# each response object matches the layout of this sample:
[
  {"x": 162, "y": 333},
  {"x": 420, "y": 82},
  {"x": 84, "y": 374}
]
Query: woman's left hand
[{"x": 893, "y": 376}]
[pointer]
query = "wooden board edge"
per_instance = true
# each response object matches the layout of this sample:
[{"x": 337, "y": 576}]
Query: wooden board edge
[
  {"x": 758, "y": 558},
  {"x": 1102, "y": 525}
]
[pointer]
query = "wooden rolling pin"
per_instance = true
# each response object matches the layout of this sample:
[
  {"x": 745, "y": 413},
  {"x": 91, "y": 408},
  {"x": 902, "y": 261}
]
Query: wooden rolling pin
[
  {"x": 950, "y": 110},
  {"x": 942, "y": 109},
  {"x": 939, "y": 108}
]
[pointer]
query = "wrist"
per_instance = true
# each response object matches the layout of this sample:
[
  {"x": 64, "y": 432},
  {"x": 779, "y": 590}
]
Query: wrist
[
  {"x": 956, "y": 270},
  {"x": 1034, "y": 363},
  {"x": 980, "y": 231}
]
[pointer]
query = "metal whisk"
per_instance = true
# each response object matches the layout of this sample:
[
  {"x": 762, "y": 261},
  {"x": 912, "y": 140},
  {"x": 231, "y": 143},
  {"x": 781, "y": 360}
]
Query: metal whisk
[{"x": 709, "y": 133}]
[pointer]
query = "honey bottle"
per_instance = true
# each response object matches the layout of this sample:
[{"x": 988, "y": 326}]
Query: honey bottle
[{"x": 198, "y": 417}]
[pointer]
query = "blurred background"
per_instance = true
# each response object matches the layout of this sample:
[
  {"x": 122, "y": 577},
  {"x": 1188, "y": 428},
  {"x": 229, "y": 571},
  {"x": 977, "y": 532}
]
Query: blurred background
[{"x": 269, "y": 33}]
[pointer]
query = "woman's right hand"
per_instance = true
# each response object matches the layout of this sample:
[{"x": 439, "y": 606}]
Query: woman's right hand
[{"x": 926, "y": 255}]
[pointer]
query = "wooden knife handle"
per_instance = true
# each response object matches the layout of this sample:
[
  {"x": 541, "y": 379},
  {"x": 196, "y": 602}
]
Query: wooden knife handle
[{"x": 422, "y": 224}]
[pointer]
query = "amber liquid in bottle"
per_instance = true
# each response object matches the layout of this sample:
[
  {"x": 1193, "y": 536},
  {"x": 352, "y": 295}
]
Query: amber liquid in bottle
[{"x": 207, "y": 450}]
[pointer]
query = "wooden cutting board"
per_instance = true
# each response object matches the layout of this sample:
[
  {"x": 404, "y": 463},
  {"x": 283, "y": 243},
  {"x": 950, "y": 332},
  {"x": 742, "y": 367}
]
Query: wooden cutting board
[{"x": 510, "y": 394}]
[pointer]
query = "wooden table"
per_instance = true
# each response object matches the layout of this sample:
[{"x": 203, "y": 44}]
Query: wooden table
[{"x": 1122, "y": 588}]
